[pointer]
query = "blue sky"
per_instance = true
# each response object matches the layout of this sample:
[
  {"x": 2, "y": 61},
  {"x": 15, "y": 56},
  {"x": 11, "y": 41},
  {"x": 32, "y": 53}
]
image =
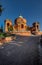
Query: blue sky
[{"x": 31, "y": 10}]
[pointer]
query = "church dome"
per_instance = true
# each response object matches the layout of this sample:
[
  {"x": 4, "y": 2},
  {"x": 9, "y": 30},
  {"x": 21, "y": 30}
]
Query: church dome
[{"x": 20, "y": 19}]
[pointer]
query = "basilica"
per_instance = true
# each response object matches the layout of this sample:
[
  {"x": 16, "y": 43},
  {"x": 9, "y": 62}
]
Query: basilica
[{"x": 20, "y": 27}]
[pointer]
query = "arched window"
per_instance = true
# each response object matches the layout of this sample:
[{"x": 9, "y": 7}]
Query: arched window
[
  {"x": 22, "y": 26},
  {"x": 37, "y": 26},
  {"x": 7, "y": 24}
]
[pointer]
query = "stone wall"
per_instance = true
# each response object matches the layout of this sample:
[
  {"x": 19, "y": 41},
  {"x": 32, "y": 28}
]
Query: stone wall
[
  {"x": 6, "y": 40},
  {"x": 26, "y": 33}
]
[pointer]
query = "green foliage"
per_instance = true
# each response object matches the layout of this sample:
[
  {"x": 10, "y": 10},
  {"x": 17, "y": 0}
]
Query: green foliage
[
  {"x": 1, "y": 35},
  {"x": 4, "y": 34},
  {"x": 10, "y": 28},
  {"x": 1, "y": 29}
]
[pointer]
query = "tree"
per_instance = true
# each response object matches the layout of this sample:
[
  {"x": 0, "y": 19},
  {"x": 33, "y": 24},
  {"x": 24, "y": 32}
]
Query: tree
[
  {"x": 1, "y": 9},
  {"x": 1, "y": 28}
]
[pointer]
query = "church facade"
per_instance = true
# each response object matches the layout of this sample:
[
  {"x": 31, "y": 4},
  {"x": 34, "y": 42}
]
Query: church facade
[{"x": 20, "y": 25}]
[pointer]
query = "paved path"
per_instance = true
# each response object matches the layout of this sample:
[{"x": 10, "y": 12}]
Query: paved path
[{"x": 22, "y": 51}]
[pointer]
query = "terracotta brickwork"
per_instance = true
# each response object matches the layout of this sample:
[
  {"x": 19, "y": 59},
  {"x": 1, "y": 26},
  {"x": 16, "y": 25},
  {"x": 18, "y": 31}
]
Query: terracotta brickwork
[{"x": 20, "y": 25}]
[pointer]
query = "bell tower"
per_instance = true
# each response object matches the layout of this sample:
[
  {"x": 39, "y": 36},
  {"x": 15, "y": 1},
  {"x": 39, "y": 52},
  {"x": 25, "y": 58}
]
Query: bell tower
[
  {"x": 36, "y": 26},
  {"x": 7, "y": 24}
]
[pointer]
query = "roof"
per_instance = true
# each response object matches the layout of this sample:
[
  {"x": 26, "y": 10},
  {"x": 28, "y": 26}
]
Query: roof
[{"x": 20, "y": 16}]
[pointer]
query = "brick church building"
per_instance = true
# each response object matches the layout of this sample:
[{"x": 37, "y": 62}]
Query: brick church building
[{"x": 20, "y": 26}]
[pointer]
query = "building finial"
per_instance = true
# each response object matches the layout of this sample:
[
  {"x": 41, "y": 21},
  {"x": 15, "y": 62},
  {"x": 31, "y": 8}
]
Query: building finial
[{"x": 20, "y": 16}]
